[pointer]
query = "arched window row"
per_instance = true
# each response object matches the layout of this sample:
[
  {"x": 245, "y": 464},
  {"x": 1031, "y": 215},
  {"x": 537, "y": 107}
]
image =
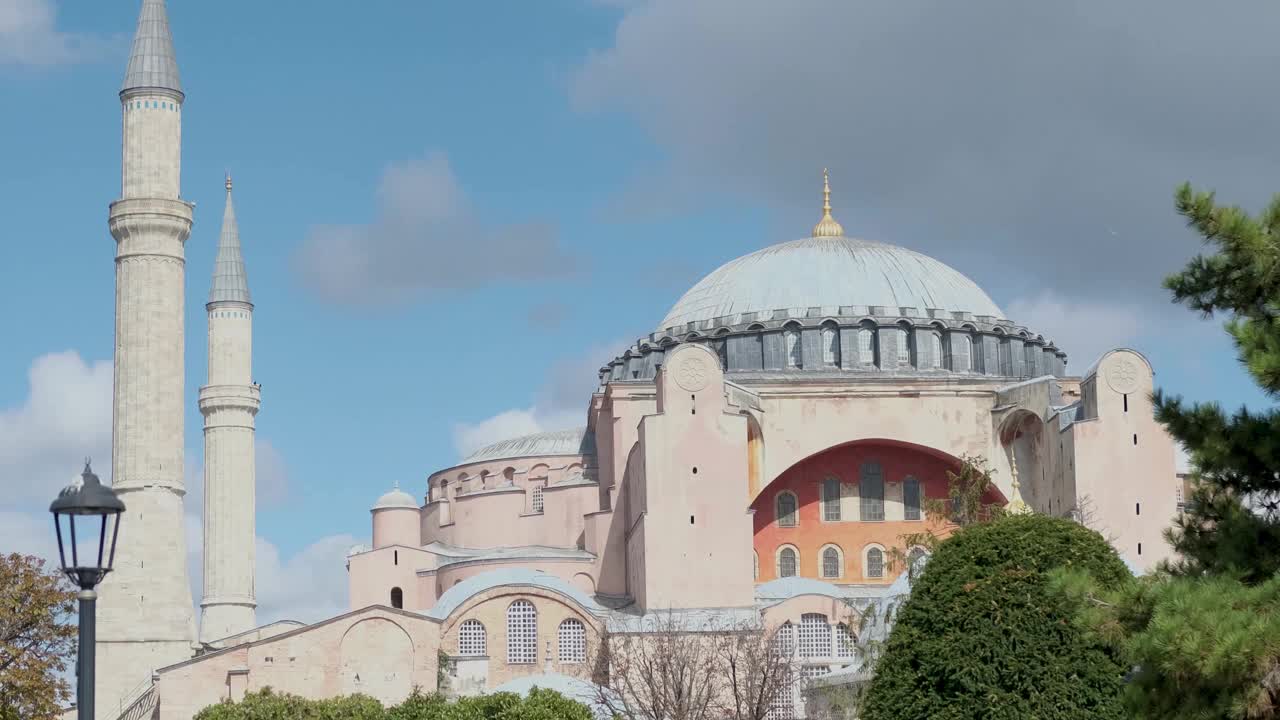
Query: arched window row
[
  {"x": 871, "y": 499},
  {"x": 868, "y": 345},
  {"x": 831, "y": 562}
]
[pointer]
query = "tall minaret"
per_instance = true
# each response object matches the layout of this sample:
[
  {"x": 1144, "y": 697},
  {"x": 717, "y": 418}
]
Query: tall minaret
[
  {"x": 145, "y": 618},
  {"x": 229, "y": 404}
]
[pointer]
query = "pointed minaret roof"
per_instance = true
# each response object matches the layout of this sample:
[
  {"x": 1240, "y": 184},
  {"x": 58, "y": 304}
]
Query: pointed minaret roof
[
  {"x": 827, "y": 226},
  {"x": 152, "y": 63},
  {"x": 230, "y": 284}
]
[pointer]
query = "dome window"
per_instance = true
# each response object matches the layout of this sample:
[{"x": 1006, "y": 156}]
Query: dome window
[
  {"x": 791, "y": 343},
  {"x": 830, "y": 346},
  {"x": 866, "y": 346}
]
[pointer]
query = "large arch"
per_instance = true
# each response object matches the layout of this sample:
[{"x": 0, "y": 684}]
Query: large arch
[{"x": 872, "y": 508}]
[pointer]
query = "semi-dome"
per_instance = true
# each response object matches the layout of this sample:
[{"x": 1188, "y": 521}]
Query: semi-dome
[
  {"x": 828, "y": 273},
  {"x": 397, "y": 498},
  {"x": 575, "y": 441}
]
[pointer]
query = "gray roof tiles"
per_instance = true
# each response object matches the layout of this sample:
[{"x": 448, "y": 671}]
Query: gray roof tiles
[
  {"x": 152, "y": 62},
  {"x": 230, "y": 283}
]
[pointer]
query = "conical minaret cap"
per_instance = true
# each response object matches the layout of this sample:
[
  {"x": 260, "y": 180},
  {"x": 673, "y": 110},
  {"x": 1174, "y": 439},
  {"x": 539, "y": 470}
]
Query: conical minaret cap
[
  {"x": 152, "y": 63},
  {"x": 230, "y": 283}
]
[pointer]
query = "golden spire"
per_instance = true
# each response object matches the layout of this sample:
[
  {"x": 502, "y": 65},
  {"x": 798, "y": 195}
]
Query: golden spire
[
  {"x": 827, "y": 226},
  {"x": 228, "y": 181}
]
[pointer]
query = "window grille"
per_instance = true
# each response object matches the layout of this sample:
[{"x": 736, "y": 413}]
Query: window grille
[
  {"x": 911, "y": 499},
  {"x": 962, "y": 360},
  {"x": 809, "y": 672},
  {"x": 787, "y": 563},
  {"x": 786, "y": 509},
  {"x": 871, "y": 490},
  {"x": 573, "y": 641},
  {"x": 935, "y": 349},
  {"x": 846, "y": 643},
  {"x": 472, "y": 640},
  {"x": 784, "y": 642},
  {"x": 831, "y": 563},
  {"x": 791, "y": 338},
  {"x": 522, "y": 633},
  {"x": 904, "y": 348},
  {"x": 875, "y": 563},
  {"x": 537, "y": 498},
  {"x": 815, "y": 636},
  {"x": 830, "y": 347},
  {"x": 831, "y": 500},
  {"x": 866, "y": 346}
]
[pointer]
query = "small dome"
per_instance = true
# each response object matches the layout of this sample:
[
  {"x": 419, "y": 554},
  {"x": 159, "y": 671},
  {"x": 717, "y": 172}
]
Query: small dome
[
  {"x": 829, "y": 273},
  {"x": 397, "y": 498}
]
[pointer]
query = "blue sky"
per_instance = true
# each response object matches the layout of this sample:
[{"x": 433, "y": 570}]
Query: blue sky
[{"x": 450, "y": 148}]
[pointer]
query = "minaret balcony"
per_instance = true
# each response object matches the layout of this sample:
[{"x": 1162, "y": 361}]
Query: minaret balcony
[{"x": 230, "y": 397}]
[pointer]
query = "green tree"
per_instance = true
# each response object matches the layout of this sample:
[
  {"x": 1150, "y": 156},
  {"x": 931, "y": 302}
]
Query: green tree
[
  {"x": 539, "y": 704},
  {"x": 37, "y": 638},
  {"x": 1204, "y": 632},
  {"x": 985, "y": 635}
]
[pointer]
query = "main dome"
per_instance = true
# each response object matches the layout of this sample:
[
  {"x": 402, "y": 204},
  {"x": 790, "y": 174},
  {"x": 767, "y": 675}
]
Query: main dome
[{"x": 828, "y": 273}]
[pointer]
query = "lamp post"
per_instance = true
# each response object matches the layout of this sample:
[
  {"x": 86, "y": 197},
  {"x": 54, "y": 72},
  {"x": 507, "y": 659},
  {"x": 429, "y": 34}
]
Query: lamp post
[{"x": 81, "y": 502}]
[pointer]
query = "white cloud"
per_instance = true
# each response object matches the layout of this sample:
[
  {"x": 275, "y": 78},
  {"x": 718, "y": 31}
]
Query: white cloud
[
  {"x": 561, "y": 403},
  {"x": 29, "y": 36},
  {"x": 425, "y": 237},
  {"x": 1082, "y": 328}
]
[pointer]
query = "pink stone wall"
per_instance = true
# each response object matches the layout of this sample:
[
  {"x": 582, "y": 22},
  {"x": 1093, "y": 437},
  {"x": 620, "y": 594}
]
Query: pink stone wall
[
  {"x": 377, "y": 651},
  {"x": 371, "y": 576}
]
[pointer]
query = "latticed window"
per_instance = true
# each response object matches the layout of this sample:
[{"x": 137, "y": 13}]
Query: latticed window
[
  {"x": 830, "y": 347},
  {"x": 871, "y": 490},
  {"x": 831, "y": 500},
  {"x": 846, "y": 643},
  {"x": 784, "y": 642},
  {"x": 911, "y": 499},
  {"x": 791, "y": 341},
  {"x": 786, "y": 509},
  {"x": 783, "y": 705},
  {"x": 787, "y": 563},
  {"x": 573, "y": 641},
  {"x": 866, "y": 346},
  {"x": 935, "y": 349},
  {"x": 1029, "y": 353},
  {"x": 875, "y": 563},
  {"x": 537, "y": 498},
  {"x": 830, "y": 563},
  {"x": 808, "y": 672},
  {"x": 1006, "y": 357},
  {"x": 522, "y": 632},
  {"x": 904, "y": 347},
  {"x": 472, "y": 640},
  {"x": 815, "y": 636}
]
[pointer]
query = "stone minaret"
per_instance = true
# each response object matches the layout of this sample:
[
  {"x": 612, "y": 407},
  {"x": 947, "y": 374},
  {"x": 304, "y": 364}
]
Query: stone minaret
[
  {"x": 229, "y": 404},
  {"x": 145, "y": 618}
]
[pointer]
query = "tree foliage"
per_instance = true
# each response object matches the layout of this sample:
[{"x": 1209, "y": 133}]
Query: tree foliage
[
  {"x": 1203, "y": 634},
  {"x": 985, "y": 635},
  {"x": 37, "y": 638},
  {"x": 539, "y": 704}
]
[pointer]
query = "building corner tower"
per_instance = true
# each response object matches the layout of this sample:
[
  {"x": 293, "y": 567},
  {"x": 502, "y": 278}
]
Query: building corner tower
[
  {"x": 229, "y": 404},
  {"x": 145, "y": 617}
]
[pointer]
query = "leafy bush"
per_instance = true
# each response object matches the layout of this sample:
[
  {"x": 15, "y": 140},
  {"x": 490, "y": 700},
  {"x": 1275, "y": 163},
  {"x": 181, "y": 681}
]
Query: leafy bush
[
  {"x": 267, "y": 705},
  {"x": 985, "y": 634}
]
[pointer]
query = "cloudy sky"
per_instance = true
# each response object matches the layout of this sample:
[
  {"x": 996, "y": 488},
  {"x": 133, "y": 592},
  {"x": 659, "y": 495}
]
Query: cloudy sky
[{"x": 453, "y": 212}]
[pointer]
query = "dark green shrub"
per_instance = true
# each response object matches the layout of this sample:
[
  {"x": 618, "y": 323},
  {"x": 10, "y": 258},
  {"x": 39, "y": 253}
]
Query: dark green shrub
[
  {"x": 983, "y": 634},
  {"x": 267, "y": 705}
]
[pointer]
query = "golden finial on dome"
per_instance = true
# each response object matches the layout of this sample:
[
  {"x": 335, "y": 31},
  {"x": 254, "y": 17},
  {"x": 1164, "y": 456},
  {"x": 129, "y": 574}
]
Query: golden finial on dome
[{"x": 827, "y": 226}]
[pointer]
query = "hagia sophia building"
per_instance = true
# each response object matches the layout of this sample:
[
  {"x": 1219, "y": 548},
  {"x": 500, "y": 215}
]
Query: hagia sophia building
[{"x": 756, "y": 458}]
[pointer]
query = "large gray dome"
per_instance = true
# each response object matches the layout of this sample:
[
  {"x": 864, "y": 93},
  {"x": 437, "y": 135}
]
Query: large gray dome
[{"x": 828, "y": 272}]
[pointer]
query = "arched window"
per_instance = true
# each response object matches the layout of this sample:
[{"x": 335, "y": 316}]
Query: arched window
[
  {"x": 935, "y": 349},
  {"x": 961, "y": 353},
  {"x": 830, "y": 346},
  {"x": 831, "y": 562},
  {"x": 903, "y": 340},
  {"x": 1005, "y": 356},
  {"x": 911, "y": 498},
  {"x": 397, "y": 598},
  {"x": 573, "y": 641},
  {"x": 815, "y": 636},
  {"x": 784, "y": 641},
  {"x": 871, "y": 490},
  {"x": 522, "y": 633},
  {"x": 786, "y": 509},
  {"x": 846, "y": 643},
  {"x": 1029, "y": 354},
  {"x": 791, "y": 343},
  {"x": 536, "y": 498},
  {"x": 472, "y": 640},
  {"x": 866, "y": 346},
  {"x": 915, "y": 558},
  {"x": 831, "y": 500},
  {"x": 875, "y": 563},
  {"x": 787, "y": 562}
]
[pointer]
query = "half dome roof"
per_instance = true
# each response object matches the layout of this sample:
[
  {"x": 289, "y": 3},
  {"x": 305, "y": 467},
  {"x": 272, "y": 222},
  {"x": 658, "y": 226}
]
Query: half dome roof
[{"x": 829, "y": 273}]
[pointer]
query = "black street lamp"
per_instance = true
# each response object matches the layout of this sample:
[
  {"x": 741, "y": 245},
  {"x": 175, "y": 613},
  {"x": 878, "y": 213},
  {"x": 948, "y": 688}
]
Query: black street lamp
[{"x": 81, "y": 502}]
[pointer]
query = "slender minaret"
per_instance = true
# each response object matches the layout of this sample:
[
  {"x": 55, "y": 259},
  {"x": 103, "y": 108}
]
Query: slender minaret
[
  {"x": 229, "y": 404},
  {"x": 145, "y": 617}
]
